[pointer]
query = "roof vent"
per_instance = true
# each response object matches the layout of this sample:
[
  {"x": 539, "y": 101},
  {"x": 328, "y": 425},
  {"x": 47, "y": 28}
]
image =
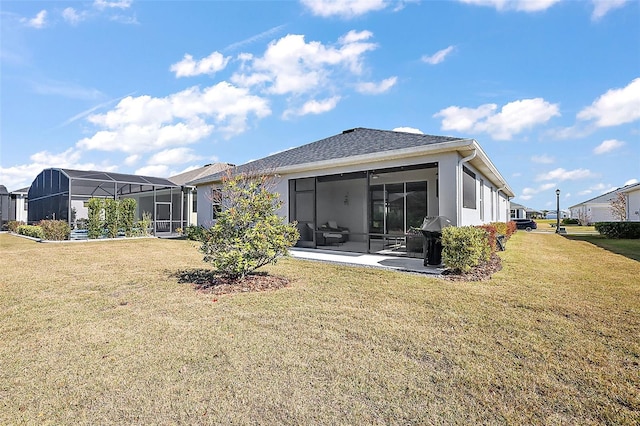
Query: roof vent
[{"x": 344, "y": 132}]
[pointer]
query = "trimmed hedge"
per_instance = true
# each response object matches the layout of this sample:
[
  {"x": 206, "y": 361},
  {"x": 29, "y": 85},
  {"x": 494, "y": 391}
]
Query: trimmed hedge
[
  {"x": 464, "y": 247},
  {"x": 31, "y": 231},
  {"x": 625, "y": 230},
  {"x": 570, "y": 221}
]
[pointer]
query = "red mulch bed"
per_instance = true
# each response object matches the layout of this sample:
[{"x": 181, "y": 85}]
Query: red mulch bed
[
  {"x": 207, "y": 281},
  {"x": 481, "y": 272}
]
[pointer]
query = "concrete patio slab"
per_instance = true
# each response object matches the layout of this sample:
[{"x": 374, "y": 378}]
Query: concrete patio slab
[{"x": 405, "y": 264}]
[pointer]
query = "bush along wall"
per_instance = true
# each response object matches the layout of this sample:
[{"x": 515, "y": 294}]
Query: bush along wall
[
  {"x": 464, "y": 247},
  {"x": 13, "y": 225},
  {"x": 55, "y": 230},
  {"x": 31, "y": 231},
  {"x": 622, "y": 230}
]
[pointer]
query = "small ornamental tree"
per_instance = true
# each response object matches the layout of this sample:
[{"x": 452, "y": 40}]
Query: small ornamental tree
[
  {"x": 247, "y": 234},
  {"x": 618, "y": 207}
]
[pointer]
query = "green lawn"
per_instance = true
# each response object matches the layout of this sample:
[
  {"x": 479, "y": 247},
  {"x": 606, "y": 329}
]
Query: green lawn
[
  {"x": 626, "y": 247},
  {"x": 102, "y": 333}
]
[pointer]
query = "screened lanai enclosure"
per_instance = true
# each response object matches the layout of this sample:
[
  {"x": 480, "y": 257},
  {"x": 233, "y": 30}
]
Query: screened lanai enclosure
[{"x": 63, "y": 194}]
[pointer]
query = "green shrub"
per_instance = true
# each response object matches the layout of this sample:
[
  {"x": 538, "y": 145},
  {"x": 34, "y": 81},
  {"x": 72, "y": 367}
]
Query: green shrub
[
  {"x": 111, "y": 217},
  {"x": 464, "y": 247},
  {"x": 127, "y": 215},
  {"x": 626, "y": 230},
  {"x": 31, "y": 231},
  {"x": 143, "y": 225},
  {"x": 248, "y": 233},
  {"x": 55, "y": 230},
  {"x": 570, "y": 221},
  {"x": 196, "y": 233},
  {"x": 95, "y": 223},
  {"x": 13, "y": 225}
]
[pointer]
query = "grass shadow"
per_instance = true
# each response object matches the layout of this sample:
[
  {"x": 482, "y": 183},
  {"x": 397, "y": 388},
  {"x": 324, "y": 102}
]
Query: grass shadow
[
  {"x": 207, "y": 280},
  {"x": 629, "y": 248}
]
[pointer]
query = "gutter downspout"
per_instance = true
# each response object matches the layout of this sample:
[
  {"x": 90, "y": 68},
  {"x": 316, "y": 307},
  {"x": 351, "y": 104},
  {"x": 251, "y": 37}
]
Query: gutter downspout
[{"x": 459, "y": 195}]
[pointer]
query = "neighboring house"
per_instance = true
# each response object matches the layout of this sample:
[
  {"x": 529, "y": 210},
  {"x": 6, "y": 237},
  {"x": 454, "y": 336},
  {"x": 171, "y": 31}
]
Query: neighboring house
[
  {"x": 518, "y": 211},
  {"x": 63, "y": 194},
  {"x": 18, "y": 205},
  {"x": 183, "y": 179},
  {"x": 598, "y": 209},
  {"x": 4, "y": 207},
  {"x": 632, "y": 192},
  {"x": 13, "y": 205},
  {"x": 366, "y": 189}
]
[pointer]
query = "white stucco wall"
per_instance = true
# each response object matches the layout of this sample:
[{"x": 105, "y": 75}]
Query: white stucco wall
[
  {"x": 633, "y": 206},
  {"x": 442, "y": 193}
]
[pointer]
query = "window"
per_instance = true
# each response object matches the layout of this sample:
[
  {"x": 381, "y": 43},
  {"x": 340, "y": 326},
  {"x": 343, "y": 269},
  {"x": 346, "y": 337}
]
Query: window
[
  {"x": 216, "y": 203},
  {"x": 26, "y": 204},
  {"x": 468, "y": 189},
  {"x": 194, "y": 204}
]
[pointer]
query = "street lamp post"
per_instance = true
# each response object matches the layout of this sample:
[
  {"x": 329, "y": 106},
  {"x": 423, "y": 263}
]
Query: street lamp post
[{"x": 557, "y": 211}]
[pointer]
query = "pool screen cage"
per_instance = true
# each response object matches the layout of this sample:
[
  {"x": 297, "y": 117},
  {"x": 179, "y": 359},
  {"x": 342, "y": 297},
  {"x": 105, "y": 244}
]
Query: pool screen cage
[{"x": 62, "y": 194}]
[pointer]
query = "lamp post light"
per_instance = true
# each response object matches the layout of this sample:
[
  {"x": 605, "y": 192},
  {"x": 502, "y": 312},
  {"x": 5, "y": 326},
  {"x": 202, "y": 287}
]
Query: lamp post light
[{"x": 557, "y": 211}]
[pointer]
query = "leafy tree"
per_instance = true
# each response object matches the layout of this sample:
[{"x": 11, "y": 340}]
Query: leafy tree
[
  {"x": 127, "y": 215},
  {"x": 618, "y": 207},
  {"x": 95, "y": 224},
  {"x": 247, "y": 234},
  {"x": 111, "y": 213}
]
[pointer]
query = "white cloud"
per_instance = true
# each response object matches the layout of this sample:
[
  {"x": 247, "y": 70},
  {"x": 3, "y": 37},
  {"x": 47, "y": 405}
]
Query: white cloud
[
  {"x": 517, "y": 5},
  {"x": 543, "y": 159},
  {"x": 38, "y": 21},
  {"x": 132, "y": 159},
  {"x": 409, "y": 130},
  {"x": 72, "y": 16},
  {"x": 599, "y": 188},
  {"x": 157, "y": 170},
  {"x": 513, "y": 118},
  {"x": 145, "y": 123},
  {"x": 292, "y": 66},
  {"x": 631, "y": 182},
  {"x": 439, "y": 56},
  {"x": 528, "y": 193},
  {"x": 602, "y": 7},
  {"x": 187, "y": 67},
  {"x": 173, "y": 156},
  {"x": 118, "y": 4},
  {"x": 314, "y": 107},
  {"x": 370, "y": 88},
  {"x": 608, "y": 146},
  {"x": 561, "y": 174},
  {"x": 617, "y": 106},
  {"x": 344, "y": 8}
]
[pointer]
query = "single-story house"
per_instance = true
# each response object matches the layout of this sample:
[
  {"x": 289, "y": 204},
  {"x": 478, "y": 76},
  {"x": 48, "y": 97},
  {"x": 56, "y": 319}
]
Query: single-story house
[
  {"x": 62, "y": 194},
  {"x": 182, "y": 179},
  {"x": 18, "y": 204},
  {"x": 598, "y": 209},
  {"x": 518, "y": 211},
  {"x": 4, "y": 206},
  {"x": 367, "y": 190},
  {"x": 632, "y": 192}
]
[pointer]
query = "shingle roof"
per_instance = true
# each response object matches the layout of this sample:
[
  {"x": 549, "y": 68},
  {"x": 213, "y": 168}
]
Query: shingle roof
[
  {"x": 350, "y": 143},
  {"x": 606, "y": 197},
  {"x": 209, "y": 169}
]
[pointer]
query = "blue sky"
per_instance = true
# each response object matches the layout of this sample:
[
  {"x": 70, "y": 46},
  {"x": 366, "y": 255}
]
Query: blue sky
[{"x": 549, "y": 88}]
